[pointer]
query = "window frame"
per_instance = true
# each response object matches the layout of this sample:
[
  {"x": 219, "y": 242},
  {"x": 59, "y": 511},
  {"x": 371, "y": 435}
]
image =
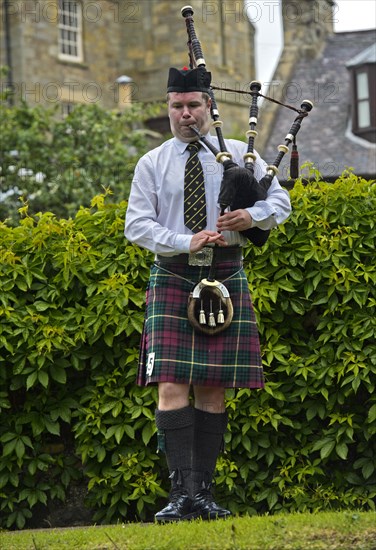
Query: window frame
[
  {"x": 366, "y": 132},
  {"x": 77, "y": 31},
  {"x": 363, "y": 101}
]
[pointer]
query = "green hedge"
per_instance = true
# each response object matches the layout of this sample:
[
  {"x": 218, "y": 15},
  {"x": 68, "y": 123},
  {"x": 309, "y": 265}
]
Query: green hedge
[{"x": 71, "y": 307}]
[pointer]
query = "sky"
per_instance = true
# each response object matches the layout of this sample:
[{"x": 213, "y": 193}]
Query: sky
[{"x": 348, "y": 15}]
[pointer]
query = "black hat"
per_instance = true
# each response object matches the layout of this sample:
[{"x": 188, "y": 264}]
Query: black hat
[{"x": 189, "y": 80}]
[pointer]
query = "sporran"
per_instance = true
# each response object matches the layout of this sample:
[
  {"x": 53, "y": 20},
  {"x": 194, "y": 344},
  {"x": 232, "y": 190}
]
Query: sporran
[{"x": 210, "y": 308}]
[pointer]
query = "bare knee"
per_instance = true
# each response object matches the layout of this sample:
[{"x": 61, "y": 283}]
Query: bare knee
[
  {"x": 209, "y": 399},
  {"x": 172, "y": 396}
]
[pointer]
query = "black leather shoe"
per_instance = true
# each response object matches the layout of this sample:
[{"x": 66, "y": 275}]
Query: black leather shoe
[
  {"x": 180, "y": 502},
  {"x": 203, "y": 506},
  {"x": 177, "y": 508}
]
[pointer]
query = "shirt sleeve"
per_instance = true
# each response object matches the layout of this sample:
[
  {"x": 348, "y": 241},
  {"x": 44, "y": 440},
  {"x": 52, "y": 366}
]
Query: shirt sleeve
[{"x": 141, "y": 220}]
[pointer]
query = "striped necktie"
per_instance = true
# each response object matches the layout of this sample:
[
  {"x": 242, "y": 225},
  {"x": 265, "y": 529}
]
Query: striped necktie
[{"x": 194, "y": 191}]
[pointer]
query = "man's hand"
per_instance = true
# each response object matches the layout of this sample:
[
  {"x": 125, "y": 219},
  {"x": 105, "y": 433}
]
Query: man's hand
[
  {"x": 201, "y": 239},
  {"x": 237, "y": 220}
]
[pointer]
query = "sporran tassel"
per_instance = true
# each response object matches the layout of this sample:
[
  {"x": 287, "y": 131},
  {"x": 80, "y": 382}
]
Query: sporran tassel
[
  {"x": 211, "y": 316},
  {"x": 221, "y": 317},
  {"x": 202, "y": 318}
]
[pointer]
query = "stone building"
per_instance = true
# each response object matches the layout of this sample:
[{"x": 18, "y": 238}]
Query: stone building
[
  {"x": 117, "y": 52},
  {"x": 60, "y": 52},
  {"x": 114, "y": 52},
  {"x": 337, "y": 72}
]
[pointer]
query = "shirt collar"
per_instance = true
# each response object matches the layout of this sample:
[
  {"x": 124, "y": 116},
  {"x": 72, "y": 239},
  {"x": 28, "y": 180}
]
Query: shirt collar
[{"x": 182, "y": 145}]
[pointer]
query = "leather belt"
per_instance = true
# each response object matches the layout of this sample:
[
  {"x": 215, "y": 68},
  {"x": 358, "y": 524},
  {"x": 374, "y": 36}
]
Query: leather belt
[{"x": 204, "y": 257}]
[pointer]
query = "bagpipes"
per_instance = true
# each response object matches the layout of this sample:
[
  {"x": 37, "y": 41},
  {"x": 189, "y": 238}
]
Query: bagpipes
[{"x": 210, "y": 309}]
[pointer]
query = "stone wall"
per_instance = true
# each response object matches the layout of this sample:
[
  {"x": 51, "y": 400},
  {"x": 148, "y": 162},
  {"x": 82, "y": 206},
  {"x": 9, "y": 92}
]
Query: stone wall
[
  {"x": 40, "y": 76},
  {"x": 140, "y": 39}
]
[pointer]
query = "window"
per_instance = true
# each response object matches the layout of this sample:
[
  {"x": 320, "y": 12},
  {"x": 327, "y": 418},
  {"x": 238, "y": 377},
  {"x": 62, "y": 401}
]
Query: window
[
  {"x": 363, "y": 103},
  {"x": 363, "y": 93},
  {"x": 70, "y": 30}
]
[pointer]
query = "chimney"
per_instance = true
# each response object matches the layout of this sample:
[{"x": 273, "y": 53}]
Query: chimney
[
  {"x": 125, "y": 90},
  {"x": 306, "y": 25}
]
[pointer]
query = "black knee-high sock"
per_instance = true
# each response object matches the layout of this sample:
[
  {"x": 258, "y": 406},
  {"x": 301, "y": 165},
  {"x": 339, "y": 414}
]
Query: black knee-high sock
[
  {"x": 209, "y": 429},
  {"x": 175, "y": 438}
]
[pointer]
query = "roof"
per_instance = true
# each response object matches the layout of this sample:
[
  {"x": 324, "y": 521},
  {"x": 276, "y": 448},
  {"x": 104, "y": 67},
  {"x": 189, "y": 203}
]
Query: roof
[
  {"x": 366, "y": 56},
  {"x": 325, "y": 137}
]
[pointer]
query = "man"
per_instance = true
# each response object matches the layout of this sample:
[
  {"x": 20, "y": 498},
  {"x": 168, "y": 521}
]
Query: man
[{"x": 173, "y": 354}]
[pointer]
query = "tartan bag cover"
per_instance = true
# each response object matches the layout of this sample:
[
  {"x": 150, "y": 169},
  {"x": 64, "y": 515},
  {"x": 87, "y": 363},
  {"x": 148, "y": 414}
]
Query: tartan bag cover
[{"x": 171, "y": 351}]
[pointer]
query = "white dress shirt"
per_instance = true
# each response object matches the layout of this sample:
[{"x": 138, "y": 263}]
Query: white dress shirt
[{"x": 155, "y": 214}]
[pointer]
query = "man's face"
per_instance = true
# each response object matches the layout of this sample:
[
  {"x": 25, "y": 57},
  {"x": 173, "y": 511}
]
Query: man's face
[{"x": 185, "y": 110}]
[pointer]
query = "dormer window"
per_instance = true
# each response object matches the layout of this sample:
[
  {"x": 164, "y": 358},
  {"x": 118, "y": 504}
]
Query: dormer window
[{"x": 363, "y": 71}]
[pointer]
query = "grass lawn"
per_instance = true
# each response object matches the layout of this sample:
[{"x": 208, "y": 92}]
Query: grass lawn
[{"x": 326, "y": 531}]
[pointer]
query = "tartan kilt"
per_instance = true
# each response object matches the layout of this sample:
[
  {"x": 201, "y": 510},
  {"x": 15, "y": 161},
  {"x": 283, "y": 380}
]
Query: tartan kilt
[{"x": 172, "y": 351}]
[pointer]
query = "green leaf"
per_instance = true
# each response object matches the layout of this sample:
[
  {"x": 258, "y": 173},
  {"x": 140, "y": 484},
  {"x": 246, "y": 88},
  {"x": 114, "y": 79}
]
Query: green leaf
[
  {"x": 368, "y": 469},
  {"x": 137, "y": 324},
  {"x": 147, "y": 433},
  {"x": 9, "y": 447},
  {"x": 372, "y": 414},
  {"x": 8, "y": 436},
  {"x": 20, "y": 520},
  {"x": 31, "y": 380},
  {"x": 32, "y": 467},
  {"x": 43, "y": 378},
  {"x": 342, "y": 450},
  {"x": 109, "y": 338},
  {"x": 41, "y": 306},
  {"x": 129, "y": 430},
  {"x": 58, "y": 374},
  {"x": 327, "y": 449},
  {"x": 272, "y": 499},
  {"x": 101, "y": 454},
  {"x": 298, "y": 307},
  {"x": 52, "y": 427},
  {"x": 286, "y": 285},
  {"x": 118, "y": 408}
]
